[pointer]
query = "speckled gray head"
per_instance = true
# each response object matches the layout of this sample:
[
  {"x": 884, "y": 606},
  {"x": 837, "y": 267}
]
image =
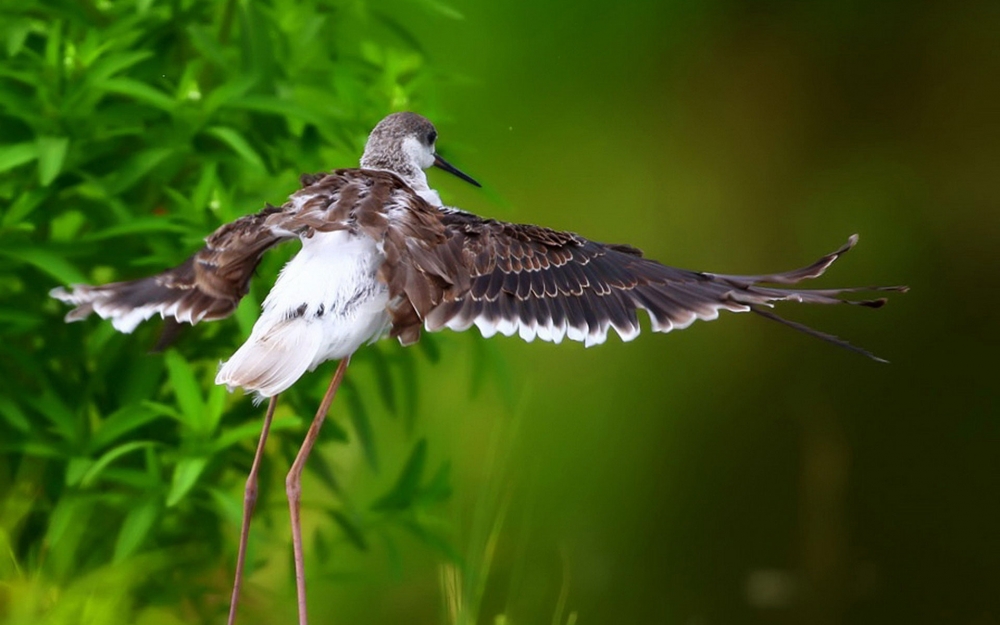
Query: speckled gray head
[{"x": 404, "y": 143}]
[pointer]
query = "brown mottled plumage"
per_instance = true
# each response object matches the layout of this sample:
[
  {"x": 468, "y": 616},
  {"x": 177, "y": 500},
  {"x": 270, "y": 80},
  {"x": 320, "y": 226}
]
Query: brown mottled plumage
[
  {"x": 380, "y": 255},
  {"x": 448, "y": 268}
]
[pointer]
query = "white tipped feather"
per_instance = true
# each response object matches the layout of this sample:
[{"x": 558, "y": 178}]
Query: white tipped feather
[
  {"x": 544, "y": 332},
  {"x": 125, "y": 320},
  {"x": 559, "y": 332},
  {"x": 627, "y": 333},
  {"x": 597, "y": 335},
  {"x": 526, "y": 331},
  {"x": 486, "y": 327},
  {"x": 574, "y": 333}
]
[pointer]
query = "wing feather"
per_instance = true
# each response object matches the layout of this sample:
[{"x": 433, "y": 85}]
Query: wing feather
[
  {"x": 543, "y": 283},
  {"x": 210, "y": 284}
]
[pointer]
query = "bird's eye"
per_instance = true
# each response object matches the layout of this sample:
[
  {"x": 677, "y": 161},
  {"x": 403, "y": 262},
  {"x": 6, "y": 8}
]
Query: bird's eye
[{"x": 431, "y": 137}]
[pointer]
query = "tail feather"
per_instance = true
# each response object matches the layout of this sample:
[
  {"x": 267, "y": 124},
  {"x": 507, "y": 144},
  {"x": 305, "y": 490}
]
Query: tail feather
[{"x": 272, "y": 359}]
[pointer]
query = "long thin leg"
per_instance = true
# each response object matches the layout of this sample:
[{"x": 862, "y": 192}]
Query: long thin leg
[
  {"x": 249, "y": 500},
  {"x": 293, "y": 485}
]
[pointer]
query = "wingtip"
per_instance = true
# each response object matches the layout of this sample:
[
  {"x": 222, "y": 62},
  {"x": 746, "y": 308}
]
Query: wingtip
[
  {"x": 845, "y": 248},
  {"x": 79, "y": 313},
  {"x": 829, "y": 338},
  {"x": 872, "y": 303}
]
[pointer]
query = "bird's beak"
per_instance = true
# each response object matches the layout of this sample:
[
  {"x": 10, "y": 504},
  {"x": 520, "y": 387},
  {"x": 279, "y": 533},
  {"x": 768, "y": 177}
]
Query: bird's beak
[{"x": 440, "y": 163}]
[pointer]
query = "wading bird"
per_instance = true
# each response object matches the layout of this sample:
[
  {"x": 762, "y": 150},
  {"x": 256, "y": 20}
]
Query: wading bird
[{"x": 381, "y": 256}]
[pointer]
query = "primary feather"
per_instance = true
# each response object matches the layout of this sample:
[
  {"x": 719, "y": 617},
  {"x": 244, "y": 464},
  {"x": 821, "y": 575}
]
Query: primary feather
[
  {"x": 381, "y": 256},
  {"x": 376, "y": 257}
]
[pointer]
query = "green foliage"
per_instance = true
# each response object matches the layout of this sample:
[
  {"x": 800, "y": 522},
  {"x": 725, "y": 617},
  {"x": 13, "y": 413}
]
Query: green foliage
[{"x": 128, "y": 131}]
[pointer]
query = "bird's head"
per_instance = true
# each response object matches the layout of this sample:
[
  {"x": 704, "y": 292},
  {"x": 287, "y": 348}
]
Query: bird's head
[{"x": 405, "y": 144}]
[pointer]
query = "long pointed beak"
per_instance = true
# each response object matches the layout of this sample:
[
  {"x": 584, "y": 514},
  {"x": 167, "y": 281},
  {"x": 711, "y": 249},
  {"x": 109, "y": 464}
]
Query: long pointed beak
[{"x": 440, "y": 163}]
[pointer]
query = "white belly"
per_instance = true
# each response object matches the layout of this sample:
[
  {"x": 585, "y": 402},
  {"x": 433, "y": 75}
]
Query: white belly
[{"x": 326, "y": 303}]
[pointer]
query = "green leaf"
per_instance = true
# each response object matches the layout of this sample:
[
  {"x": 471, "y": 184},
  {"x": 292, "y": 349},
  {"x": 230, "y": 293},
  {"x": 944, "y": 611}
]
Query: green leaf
[
  {"x": 111, "y": 64},
  {"x": 45, "y": 260},
  {"x": 214, "y": 407},
  {"x": 139, "y": 91},
  {"x": 24, "y": 205},
  {"x": 442, "y": 9},
  {"x": 251, "y": 431},
  {"x": 69, "y": 527},
  {"x": 186, "y": 474},
  {"x": 432, "y": 538},
  {"x": 258, "y": 58},
  {"x": 51, "y": 154},
  {"x": 207, "y": 181},
  {"x": 185, "y": 387},
  {"x": 37, "y": 448},
  {"x": 276, "y": 106},
  {"x": 320, "y": 550},
  {"x": 204, "y": 40},
  {"x": 135, "y": 168},
  {"x": 402, "y": 493},
  {"x": 90, "y": 476},
  {"x": 69, "y": 512},
  {"x": 319, "y": 465},
  {"x": 229, "y": 506},
  {"x": 229, "y": 91},
  {"x": 238, "y": 144},
  {"x": 137, "y": 226},
  {"x": 246, "y": 313},
  {"x": 54, "y": 44},
  {"x": 383, "y": 378},
  {"x": 13, "y": 415},
  {"x": 17, "y": 154},
  {"x": 351, "y": 531},
  {"x": 438, "y": 489},
  {"x": 64, "y": 420},
  {"x": 362, "y": 424},
  {"x": 20, "y": 321},
  {"x": 121, "y": 422},
  {"x": 165, "y": 409},
  {"x": 19, "y": 106},
  {"x": 17, "y": 33},
  {"x": 429, "y": 345},
  {"x": 411, "y": 393},
  {"x": 136, "y": 528},
  {"x": 76, "y": 468}
]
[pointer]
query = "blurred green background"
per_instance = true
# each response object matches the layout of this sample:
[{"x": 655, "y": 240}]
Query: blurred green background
[{"x": 736, "y": 472}]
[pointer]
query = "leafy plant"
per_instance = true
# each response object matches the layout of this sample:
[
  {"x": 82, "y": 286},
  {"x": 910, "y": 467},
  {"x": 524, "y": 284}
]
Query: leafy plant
[{"x": 128, "y": 131}]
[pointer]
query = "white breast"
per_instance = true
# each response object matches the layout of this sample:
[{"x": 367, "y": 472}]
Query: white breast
[{"x": 326, "y": 303}]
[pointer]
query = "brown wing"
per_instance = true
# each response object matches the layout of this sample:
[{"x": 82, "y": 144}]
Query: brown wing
[
  {"x": 536, "y": 282},
  {"x": 210, "y": 284},
  {"x": 206, "y": 286}
]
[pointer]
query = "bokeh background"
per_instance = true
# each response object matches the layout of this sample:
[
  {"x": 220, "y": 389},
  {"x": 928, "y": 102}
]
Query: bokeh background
[{"x": 736, "y": 472}]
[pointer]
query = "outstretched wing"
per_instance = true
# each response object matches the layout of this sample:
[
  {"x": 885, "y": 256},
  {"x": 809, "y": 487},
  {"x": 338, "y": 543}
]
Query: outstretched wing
[
  {"x": 537, "y": 282},
  {"x": 210, "y": 284},
  {"x": 206, "y": 286}
]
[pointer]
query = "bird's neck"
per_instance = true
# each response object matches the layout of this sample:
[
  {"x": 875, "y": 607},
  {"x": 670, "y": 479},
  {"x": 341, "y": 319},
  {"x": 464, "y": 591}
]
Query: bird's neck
[{"x": 413, "y": 176}]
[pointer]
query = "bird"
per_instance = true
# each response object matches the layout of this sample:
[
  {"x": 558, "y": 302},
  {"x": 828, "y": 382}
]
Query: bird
[{"x": 382, "y": 256}]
